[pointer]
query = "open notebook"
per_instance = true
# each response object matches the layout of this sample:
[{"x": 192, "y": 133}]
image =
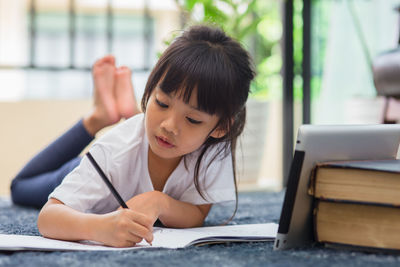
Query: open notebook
[{"x": 163, "y": 238}]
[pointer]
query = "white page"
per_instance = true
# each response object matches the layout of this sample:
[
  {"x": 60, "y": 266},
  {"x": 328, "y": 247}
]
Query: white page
[
  {"x": 163, "y": 237},
  {"x": 178, "y": 238},
  {"x": 26, "y": 242}
]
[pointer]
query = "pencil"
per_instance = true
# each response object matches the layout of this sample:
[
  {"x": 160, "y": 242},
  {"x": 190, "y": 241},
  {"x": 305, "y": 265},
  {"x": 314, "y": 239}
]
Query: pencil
[{"x": 108, "y": 183}]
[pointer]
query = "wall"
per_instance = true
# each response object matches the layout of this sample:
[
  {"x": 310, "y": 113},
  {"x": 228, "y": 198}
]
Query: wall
[{"x": 27, "y": 126}]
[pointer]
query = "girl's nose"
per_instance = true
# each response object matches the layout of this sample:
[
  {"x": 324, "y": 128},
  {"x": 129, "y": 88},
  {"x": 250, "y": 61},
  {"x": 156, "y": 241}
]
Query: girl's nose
[{"x": 170, "y": 124}]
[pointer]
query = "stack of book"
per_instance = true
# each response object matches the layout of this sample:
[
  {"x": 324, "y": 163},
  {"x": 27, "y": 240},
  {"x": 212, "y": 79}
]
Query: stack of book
[{"x": 357, "y": 203}]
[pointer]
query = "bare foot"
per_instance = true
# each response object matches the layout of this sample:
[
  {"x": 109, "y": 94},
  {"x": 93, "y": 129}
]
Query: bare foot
[
  {"x": 124, "y": 94},
  {"x": 105, "y": 110}
]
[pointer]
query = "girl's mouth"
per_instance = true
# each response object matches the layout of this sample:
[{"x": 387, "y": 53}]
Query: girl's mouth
[{"x": 163, "y": 142}]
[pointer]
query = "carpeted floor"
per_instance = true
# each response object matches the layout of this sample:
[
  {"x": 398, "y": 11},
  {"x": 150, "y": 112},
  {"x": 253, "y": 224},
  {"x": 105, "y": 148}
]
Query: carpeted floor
[{"x": 255, "y": 207}]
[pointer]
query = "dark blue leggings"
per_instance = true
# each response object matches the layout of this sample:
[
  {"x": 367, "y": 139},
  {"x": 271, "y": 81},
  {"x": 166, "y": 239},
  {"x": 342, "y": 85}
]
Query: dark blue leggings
[{"x": 45, "y": 171}]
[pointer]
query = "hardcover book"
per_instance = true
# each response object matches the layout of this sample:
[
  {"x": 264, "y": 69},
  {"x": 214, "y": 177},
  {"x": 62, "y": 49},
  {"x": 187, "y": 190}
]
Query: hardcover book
[
  {"x": 368, "y": 226},
  {"x": 371, "y": 181}
]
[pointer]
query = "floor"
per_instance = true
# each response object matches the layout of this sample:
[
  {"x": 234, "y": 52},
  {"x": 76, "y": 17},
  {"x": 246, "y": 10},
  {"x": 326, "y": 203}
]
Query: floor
[{"x": 255, "y": 207}]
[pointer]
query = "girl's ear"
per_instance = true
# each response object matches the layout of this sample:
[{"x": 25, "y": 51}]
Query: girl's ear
[
  {"x": 221, "y": 132},
  {"x": 218, "y": 133}
]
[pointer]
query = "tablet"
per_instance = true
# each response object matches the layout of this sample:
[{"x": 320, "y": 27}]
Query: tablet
[{"x": 317, "y": 143}]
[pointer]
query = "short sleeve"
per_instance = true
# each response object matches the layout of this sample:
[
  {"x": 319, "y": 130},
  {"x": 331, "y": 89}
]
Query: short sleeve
[
  {"x": 216, "y": 182},
  {"x": 82, "y": 189}
]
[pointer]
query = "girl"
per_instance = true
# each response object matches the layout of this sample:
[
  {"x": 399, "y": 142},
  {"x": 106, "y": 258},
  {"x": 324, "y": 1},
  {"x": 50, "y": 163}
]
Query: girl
[{"x": 173, "y": 161}]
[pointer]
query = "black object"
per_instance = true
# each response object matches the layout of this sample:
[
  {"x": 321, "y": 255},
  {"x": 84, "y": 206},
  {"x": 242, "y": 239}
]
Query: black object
[
  {"x": 291, "y": 191},
  {"x": 108, "y": 183}
]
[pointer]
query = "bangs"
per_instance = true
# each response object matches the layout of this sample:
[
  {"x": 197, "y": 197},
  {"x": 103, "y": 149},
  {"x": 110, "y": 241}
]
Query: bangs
[{"x": 204, "y": 68}]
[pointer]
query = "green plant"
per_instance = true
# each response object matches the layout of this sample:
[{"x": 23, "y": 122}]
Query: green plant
[{"x": 256, "y": 24}]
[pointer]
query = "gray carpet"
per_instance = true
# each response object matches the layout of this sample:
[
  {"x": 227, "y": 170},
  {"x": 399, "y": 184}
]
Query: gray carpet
[{"x": 255, "y": 207}]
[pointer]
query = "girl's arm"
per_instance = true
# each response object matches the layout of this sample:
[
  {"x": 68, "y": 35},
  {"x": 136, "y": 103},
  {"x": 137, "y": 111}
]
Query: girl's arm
[
  {"x": 120, "y": 228},
  {"x": 171, "y": 212},
  {"x": 182, "y": 214}
]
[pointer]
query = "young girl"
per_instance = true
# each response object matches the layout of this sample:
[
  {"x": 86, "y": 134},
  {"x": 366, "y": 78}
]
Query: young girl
[{"x": 170, "y": 163}]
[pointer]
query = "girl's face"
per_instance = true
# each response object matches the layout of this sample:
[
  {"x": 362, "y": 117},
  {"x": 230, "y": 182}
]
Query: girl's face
[{"x": 175, "y": 128}]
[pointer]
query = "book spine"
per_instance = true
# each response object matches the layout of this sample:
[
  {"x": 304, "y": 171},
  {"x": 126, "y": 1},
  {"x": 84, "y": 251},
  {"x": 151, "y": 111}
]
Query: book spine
[
  {"x": 311, "y": 185},
  {"x": 315, "y": 214}
]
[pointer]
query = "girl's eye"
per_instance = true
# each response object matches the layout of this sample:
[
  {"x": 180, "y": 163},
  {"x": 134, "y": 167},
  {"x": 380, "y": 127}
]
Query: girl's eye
[
  {"x": 193, "y": 121},
  {"x": 161, "y": 104}
]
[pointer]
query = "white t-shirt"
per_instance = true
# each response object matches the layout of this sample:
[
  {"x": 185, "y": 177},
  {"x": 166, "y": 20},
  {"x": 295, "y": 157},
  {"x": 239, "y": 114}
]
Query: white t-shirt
[{"x": 122, "y": 154}]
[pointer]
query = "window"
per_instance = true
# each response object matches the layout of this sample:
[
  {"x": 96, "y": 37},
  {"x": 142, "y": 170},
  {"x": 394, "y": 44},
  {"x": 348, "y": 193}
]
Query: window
[{"x": 48, "y": 47}]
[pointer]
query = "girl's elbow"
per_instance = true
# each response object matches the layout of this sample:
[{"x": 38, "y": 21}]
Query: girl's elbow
[{"x": 42, "y": 221}]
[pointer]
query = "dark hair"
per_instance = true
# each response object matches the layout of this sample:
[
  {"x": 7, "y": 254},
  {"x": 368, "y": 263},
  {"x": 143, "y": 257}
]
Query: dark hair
[{"x": 206, "y": 59}]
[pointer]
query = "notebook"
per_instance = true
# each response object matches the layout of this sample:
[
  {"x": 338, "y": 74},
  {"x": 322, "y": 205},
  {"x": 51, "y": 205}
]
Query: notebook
[{"x": 163, "y": 238}]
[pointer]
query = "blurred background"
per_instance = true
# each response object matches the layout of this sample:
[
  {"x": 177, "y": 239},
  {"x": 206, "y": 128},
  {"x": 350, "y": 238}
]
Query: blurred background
[{"x": 313, "y": 59}]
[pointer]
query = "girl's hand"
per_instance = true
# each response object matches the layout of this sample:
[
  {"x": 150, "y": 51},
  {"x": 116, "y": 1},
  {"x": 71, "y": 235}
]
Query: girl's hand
[
  {"x": 149, "y": 203},
  {"x": 124, "y": 228}
]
